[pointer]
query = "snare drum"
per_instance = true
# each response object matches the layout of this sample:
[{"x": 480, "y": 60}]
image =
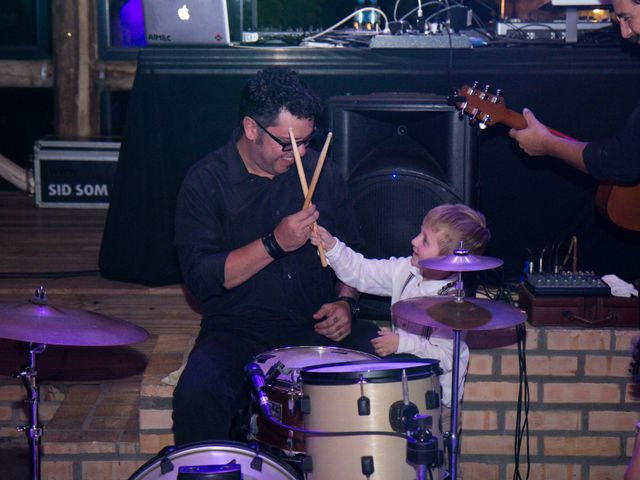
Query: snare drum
[
  {"x": 253, "y": 465},
  {"x": 283, "y": 390},
  {"x": 367, "y": 396}
]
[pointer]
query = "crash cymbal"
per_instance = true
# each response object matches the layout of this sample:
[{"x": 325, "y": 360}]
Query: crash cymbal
[
  {"x": 461, "y": 261},
  {"x": 413, "y": 314},
  {"x": 46, "y": 324}
]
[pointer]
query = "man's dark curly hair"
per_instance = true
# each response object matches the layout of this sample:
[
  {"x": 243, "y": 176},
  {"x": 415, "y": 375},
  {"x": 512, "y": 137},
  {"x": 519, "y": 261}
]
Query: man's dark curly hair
[{"x": 274, "y": 89}]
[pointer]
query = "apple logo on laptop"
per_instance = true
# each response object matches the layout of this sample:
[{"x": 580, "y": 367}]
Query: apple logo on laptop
[{"x": 183, "y": 13}]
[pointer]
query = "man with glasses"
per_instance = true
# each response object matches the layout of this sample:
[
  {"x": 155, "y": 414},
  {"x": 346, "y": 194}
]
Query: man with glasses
[
  {"x": 244, "y": 250},
  {"x": 613, "y": 160}
]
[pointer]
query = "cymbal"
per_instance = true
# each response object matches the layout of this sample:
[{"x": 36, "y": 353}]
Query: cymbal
[
  {"x": 46, "y": 324},
  {"x": 413, "y": 314},
  {"x": 461, "y": 261}
]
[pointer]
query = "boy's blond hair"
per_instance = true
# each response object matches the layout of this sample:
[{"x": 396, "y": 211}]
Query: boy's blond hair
[{"x": 458, "y": 222}]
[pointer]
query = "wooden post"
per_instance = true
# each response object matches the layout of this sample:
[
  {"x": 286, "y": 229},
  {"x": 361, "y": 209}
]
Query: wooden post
[{"x": 77, "y": 112}]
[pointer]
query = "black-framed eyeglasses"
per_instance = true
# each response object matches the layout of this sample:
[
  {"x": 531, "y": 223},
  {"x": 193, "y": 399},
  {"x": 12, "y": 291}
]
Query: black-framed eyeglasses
[{"x": 287, "y": 146}]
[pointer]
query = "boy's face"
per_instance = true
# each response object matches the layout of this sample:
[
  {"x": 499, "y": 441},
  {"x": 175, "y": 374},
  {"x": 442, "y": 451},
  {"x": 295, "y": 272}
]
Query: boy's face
[{"x": 425, "y": 245}]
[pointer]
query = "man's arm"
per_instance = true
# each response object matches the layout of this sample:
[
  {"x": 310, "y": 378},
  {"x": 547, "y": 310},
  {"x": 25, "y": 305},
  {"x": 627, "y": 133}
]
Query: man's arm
[
  {"x": 291, "y": 233},
  {"x": 537, "y": 140}
]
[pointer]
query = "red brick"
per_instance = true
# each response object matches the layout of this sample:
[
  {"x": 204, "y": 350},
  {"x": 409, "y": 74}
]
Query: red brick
[
  {"x": 599, "y": 365},
  {"x": 548, "y": 420},
  {"x": 480, "y": 364},
  {"x": 153, "y": 443},
  {"x": 541, "y": 365},
  {"x": 479, "y": 420},
  {"x": 56, "y": 470},
  {"x": 109, "y": 470},
  {"x": 625, "y": 340},
  {"x": 6, "y": 413},
  {"x": 496, "y": 391},
  {"x": 483, "y": 471},
  {"x": 492, "y": 444},
  {"x": 12, "y": 393},
  {"x": 578, "y": 339},
  {"x": 606, "y": 472},
  {"x": 582, "y": 446},
  {"x": 84, "y": 394},
  {"x": 155, "y": 419},
  {"x": 549, "y": 471},
  {"x": 602, "y": 421},
  {"x": 581, "y": 393}
]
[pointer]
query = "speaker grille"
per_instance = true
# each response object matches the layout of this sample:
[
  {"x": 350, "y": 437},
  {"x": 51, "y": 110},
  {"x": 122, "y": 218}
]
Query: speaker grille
[{"x": 390, "y": 205}]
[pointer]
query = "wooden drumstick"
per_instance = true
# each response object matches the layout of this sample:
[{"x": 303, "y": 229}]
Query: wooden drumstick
[
  {"x": 316, "y": 173},
  {"x": 305, "y": 189}
]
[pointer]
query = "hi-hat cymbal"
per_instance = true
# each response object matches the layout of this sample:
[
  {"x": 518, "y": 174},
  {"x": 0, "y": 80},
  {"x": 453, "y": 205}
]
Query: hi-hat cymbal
[
  {"x": 413, "y": 314},
  {"x": 461, "y": 261},
  {"x": 46, "y": 324}
]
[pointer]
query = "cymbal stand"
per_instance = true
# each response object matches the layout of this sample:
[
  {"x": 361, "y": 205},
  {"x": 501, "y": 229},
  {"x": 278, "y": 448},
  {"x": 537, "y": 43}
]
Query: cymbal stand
[
  {"x": 28, "y": 375},
  {"x": 455, "y": 373}
]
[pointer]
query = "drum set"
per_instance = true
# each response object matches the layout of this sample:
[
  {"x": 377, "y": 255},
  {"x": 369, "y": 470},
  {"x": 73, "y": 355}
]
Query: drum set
[
  {"x": 327, "y": 413},
  {"x": 321, "y": 413},
  {"x": 41, "y": 324}
]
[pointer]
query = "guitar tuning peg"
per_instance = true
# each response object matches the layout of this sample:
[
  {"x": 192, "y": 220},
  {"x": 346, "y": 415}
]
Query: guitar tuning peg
[
  {"x": 498, "y": 92},
  {"x": 486, "y": 88},
  {"x": 460, "y": 115},
  {"x": 475, "y": 84},
  {"x": 482, "y": 125}
]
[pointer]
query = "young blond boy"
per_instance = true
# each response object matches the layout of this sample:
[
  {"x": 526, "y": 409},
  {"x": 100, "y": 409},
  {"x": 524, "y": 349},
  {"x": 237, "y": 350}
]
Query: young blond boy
[{"x": 442, "y": 230}]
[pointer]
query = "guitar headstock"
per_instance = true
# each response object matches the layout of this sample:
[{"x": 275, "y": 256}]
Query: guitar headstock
[{"x": 484, "y": 108}]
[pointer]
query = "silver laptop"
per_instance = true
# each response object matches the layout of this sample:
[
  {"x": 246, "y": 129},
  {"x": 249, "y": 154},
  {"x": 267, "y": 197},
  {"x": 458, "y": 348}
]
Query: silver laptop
[{"x": 186, "y": 22}]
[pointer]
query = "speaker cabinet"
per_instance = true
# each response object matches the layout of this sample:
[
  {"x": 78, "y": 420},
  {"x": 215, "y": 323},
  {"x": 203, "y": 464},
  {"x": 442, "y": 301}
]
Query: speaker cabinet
[{"x": 401, "y": 154}]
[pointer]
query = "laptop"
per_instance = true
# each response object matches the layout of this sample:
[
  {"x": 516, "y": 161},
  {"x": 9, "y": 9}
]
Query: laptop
[{"x": 186, "y": 22}]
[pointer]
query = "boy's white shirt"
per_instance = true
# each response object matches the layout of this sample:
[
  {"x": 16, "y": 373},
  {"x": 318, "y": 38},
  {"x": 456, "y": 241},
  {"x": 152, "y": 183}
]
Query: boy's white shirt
[{"x": 388, "y": 277}]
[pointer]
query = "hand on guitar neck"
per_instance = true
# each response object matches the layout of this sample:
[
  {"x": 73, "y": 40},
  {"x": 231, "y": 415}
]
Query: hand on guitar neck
[{"x": 620, "y": 204}]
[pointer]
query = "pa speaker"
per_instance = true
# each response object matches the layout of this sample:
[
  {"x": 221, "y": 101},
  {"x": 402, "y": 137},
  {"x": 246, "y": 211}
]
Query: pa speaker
[{"x": 401, "y": 154}]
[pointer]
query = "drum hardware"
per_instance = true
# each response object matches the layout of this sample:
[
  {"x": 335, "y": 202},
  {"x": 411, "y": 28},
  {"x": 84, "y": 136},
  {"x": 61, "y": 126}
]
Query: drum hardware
[
  {"x": 273, "y": 372},
  {"x": 422, "y": 447},
  {"x": 456, "y": 314},
  {"x": 39, "y": 324},
  {"x": 364, "y": 404}
]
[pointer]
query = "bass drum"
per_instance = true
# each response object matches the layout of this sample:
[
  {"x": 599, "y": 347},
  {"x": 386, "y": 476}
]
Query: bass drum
[{"x": 254, "y": 464}]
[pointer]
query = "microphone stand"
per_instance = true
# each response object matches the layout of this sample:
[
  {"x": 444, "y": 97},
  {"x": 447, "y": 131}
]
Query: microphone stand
[{"x": 34, "y": 430}]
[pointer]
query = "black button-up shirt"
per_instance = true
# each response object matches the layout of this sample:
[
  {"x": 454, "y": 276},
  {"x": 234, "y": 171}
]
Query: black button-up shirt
[{"x": 222, "y": 207}]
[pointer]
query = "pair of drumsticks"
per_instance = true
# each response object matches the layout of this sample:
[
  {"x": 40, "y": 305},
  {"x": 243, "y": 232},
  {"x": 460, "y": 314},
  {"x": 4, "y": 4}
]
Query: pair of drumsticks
[{"x": 308, "y": 190}]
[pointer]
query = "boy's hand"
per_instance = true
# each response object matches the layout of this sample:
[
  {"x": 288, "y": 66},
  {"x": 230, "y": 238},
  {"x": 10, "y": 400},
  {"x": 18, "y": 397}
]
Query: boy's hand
[
  {"x": 322, "y": 236},
  {"x": 386, "y": 343}
]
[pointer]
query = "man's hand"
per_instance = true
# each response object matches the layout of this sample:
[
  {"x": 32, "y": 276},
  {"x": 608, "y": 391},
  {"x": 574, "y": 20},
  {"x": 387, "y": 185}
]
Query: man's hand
[
  {"x": 386, "y": 343},
  {"x": 533, "y": 139},
  {"x": 334, "y": 320},
  {"x": 294, "y": 230}
]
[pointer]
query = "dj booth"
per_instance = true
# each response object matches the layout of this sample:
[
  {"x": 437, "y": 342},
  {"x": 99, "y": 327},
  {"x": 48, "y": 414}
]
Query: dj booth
[{"x": 184, "y": 104}]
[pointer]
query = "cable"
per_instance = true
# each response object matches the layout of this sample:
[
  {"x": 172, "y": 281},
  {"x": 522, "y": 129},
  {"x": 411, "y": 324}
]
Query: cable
[
  {"x": 347, "y": 18},
  {"x": 522, "y": 424}
]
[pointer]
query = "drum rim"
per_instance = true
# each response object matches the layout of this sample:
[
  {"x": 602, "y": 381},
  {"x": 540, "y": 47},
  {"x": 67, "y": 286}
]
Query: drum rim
[
  {"x": 414, "y": 372},
  {"x": 314, "y": 347},
  {"x": 171, "y": 450}
]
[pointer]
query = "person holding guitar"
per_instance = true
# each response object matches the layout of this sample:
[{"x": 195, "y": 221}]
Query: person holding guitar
[{"x": 613, "y": 160}]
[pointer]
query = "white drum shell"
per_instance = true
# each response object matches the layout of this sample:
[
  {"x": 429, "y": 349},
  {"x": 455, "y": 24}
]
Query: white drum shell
[
  {"x": 219, "y": 453},
  {"x": 334, "y": 408}
]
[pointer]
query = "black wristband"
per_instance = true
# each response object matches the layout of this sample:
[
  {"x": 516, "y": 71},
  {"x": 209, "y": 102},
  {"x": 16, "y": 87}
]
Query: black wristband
[
  {"x": 353, "y": 305},
  {"x": 272, "y": 246}
]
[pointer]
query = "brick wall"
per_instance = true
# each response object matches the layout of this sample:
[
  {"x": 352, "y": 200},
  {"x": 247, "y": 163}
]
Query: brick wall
[
  {"x": 581, "y": 418},
  {"x": 582, "y": 410}
]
